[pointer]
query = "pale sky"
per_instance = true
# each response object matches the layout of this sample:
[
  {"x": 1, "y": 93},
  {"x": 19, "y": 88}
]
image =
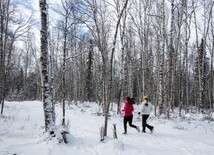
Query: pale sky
[{"x": 26, "y": 8}]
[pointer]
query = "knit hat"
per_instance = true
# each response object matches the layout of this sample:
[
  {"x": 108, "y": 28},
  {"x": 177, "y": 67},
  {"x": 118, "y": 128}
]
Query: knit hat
[{"x": 145, "y": 97}]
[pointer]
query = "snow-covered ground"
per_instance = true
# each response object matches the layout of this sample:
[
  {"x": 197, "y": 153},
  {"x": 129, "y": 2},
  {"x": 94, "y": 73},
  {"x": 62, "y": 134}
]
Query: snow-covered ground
[{"x": 22, "y": 127}]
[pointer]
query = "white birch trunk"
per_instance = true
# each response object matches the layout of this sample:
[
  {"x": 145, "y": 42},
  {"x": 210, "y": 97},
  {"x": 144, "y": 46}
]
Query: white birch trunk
[
  {"x": 109, "y": 91},
  {"x": 171, "y": 58},
  {"x": 46, "y": 97},
  {"x": 160, "y": 84}
]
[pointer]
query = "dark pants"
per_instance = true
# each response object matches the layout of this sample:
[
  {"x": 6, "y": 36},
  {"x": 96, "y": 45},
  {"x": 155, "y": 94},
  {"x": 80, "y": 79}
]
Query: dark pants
[
  {"x": 144, "y": 124},
  {"x": 126, "y": 120}
]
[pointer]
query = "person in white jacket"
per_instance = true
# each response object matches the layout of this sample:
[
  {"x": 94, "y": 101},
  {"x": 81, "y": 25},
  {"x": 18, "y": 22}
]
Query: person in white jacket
[{"x": 146, "y": 109}]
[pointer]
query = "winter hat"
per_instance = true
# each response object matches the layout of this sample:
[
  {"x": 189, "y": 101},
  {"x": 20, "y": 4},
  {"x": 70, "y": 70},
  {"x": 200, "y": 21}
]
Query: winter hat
[{"x": 145, "y": 97}]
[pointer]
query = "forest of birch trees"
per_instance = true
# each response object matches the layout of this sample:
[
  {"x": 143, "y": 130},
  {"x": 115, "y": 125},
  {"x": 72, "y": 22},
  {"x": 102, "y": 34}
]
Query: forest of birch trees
[{"x": 104, "y": 50}]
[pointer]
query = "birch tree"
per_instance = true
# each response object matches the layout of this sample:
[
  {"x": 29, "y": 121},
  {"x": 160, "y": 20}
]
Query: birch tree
[
  {"x": 3, "y": 39},
  {"x": 123, "y": 43},
  {"x": 171, "y": 58},
  {"x": 8, "y": 36},
  {"x": 46, "y": 97},
  {"x": 109, "y": 90},
  {"x": 186, "y": 52},
  {"x": 161, "y": 61}
]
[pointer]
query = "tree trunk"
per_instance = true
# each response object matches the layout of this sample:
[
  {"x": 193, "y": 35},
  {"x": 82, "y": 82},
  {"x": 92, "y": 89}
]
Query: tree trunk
[
  {"x": 63, "y": 67},
  {"x": 4, "y": 18},
  {"x": 160, "y": 84},
  {"x": 111, "y": 69},
  {"x": 46, "y": 97},
  {"x": 171, "y": 58}
]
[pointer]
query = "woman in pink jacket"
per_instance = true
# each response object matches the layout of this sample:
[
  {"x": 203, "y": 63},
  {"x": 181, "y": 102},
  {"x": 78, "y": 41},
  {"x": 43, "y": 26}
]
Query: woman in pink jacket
[{"x": 128, "y": 116}]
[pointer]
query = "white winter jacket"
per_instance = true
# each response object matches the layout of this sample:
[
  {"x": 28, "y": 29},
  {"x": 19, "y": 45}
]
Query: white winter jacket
[{"x": 146, "y": 110}]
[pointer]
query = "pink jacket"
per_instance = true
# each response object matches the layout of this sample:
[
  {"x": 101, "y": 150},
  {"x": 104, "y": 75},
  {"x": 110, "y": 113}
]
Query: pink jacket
[{"x": 128, "y": 109}]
